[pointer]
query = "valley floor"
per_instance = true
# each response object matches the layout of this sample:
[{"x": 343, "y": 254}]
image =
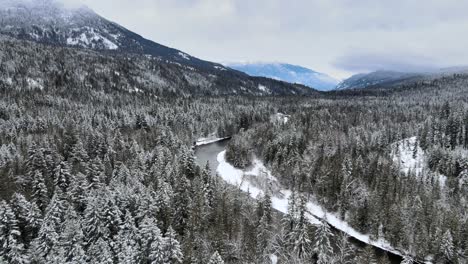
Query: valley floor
[{"x": 258, "y": 178}]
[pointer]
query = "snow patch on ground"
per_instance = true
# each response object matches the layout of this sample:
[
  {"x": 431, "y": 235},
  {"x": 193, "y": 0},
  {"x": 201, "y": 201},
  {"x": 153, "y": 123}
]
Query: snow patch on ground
[
  {"x": 136, "y": 90},
  {"x": 109, "y": 44},
  {"x": 183, "y": 55},
  {"x": 243, "y": 180},
  {"x": 34, "y": 84},
  {"x": 407, "y": 157},
  {"x": 220, "y": 68},
  {"x": 280, "y": 118},
  {"x": 263, "y": 88},
  {"x": 410, "y": 157},
  {"x": 9, "y": 81},
  {"x": 274, "y": 259},
  {"x": 91, "y": 39}
]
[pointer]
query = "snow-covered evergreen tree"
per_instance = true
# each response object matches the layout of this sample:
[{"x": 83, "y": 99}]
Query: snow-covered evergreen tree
[
  {"x": 11, "y": 245},
  {"x": 216, "y": 259},
  {"x": 100, "y": 252},
  {"x": 344, "y": 254},
  {"x": 447, "y": 248},
  {"x": 407, "y": 260},
  {"x": 172, "y": 249},
  {"x": 322, "y": 244},
  {"x": 40, "y": 194}
]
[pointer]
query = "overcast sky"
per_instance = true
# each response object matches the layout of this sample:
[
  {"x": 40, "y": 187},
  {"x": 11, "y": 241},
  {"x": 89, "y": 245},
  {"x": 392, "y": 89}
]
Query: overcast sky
[{"x": 338, "y": 37}]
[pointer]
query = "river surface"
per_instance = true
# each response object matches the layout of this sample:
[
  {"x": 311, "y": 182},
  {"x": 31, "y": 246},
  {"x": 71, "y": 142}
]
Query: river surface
[{"x": 208, "y": 154}]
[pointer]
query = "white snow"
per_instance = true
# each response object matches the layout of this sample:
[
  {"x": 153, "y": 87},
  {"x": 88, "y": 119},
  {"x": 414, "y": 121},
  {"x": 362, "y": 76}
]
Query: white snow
[
  {"x": 208, "y": 140},
  {"x": 280, "y": 117},
  {"x": 262, "y": 88},
  {"x": 9, "y": 81},
  {"x": 136, "y": 90},
  {"x": 220, "y": 68},
  {"x": 34, "y": 84},
  {"x": 84, "y": 41},
  {"x": 406, "y": 158},
  {"x": 273, "y": 259},
  {"x": 244, "y": 181},
  {"x": 411, "y": 159},
  {"x": 109, "y": 44},
  {"x": 183, "y": 55}
]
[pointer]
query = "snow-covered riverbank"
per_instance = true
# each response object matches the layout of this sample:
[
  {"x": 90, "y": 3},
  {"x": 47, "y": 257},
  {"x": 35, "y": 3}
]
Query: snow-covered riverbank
[
  {"x": 209, "y": 140},
  {"x": 244, "y": 181}
]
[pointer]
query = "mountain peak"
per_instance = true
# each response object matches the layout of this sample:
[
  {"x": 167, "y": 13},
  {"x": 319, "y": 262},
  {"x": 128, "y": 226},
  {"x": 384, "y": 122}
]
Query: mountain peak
[{"x": 52, "y": 22}]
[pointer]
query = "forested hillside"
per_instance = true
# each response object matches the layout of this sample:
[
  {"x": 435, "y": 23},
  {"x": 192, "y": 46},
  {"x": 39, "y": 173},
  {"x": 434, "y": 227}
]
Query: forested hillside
[
  {"x": 394, "y": 166},
  {"x": 28, "y": 65},
  {"x": 94, "y": 173}
]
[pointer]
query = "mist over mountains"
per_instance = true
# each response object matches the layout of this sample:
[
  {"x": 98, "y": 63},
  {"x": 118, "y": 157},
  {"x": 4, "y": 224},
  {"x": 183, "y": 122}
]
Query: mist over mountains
[{"x": 288, "y": 73}]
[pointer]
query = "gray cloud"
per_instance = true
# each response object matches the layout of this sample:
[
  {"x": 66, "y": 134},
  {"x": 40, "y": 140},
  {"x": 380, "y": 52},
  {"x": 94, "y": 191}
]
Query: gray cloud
[
  {"x": 367, "y": 62},
  {"x": 324, "y": 35}
]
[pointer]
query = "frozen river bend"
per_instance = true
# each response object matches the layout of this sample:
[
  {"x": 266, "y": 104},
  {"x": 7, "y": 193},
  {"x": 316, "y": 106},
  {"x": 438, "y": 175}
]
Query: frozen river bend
[{"x": 256, "y": 179}]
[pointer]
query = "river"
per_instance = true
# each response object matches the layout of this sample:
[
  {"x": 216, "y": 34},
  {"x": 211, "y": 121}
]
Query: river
[{"x": 208, "y": 153}]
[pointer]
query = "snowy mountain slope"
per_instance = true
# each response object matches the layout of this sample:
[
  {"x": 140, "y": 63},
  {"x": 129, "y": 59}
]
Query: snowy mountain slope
[
  {"x": 378, "y": 78},
  {"x": 35, "y": 66},
  {"x": 48, "y": 21},
  {"x": 391, "y": 79},
  {"x": 288, "y": 73}
]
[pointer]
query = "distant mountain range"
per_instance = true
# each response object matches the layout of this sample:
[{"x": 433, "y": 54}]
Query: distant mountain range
[
  {"x": 49, "y": 22},
  {"x": 389, "y": 79},
  {"x": 288, "y": 73}
]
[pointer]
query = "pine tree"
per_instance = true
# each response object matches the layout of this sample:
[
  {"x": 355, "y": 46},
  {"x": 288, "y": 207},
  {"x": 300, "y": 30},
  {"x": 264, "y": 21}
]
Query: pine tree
[
  {"x": 100, "y": 252},
  {"x": 300, "y": 234},
  {"x": 447, "y": 247},
  {"x": 62, "y": 176},
  {"x": 290, "y": 218},
  {"x": 35, "y": 161},
  {"x": 128, "y": 248},
  {"x": 40, "y": 194},
  {"x": 322, "y": 245},
  {"x": 156, "y": 249},
  {"x": 96, "y": 174},
  {"x": 11, "y": 246},
  {"x": 264, "y": 237},
  {"x": 29, "y": 216},
  {"x": 366, "y": 256},
  {"x": 345, "y": 252},
  {"x": 172, "y": 250},
  {"x": 216, "y": 259},
  {"x": 181, "y": 204},
  {"x": 78, "y": 189},
  {"x": 384, "y": 259},
  {"x": 78, "y": 158},
  {"x": 149, "y": 234},
  {"x": 93, "y": 220},
  {"x": 407, "y": 260},
  {"x": 48, "y": 234},
  {"x": 71, "y": 238}
]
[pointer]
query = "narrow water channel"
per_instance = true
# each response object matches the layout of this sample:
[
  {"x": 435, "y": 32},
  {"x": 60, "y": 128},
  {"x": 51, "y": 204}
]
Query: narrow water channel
[{"x": 208, "y": 153}]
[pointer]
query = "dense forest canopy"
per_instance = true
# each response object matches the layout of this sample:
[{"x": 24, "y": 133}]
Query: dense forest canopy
[{"x": 97, "y": 170}]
